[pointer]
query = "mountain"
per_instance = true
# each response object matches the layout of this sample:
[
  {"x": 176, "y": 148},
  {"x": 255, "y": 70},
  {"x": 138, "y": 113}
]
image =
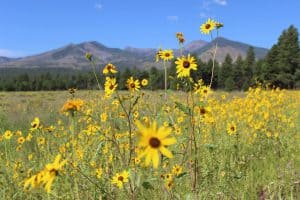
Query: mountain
[
  {"x": 195, "y": 45},
  {"x": 4, "y": 59},
  {"x": 72, "y": 55},
  {"x": 225, "y": 46}
]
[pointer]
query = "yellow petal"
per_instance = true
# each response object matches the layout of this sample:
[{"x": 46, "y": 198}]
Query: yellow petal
[
  {"x": 155, "y": 159},
  {"x": 166, "y": 152},
  {"x": 169, "y": 141}
]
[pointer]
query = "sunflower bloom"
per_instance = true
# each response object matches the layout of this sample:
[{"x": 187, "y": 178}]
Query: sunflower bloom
[
  {"x": 231, "y": 128},
  {"x": 109, "y": 68},
  {"x": 167, "y": 55},
  {"x": 208, "y": 26},
  {"x": 110, "y": 86},
  {"x": 133, "y": 85},
  {"x": 8, "y": 134},
  {"x": 154, "y": 141},
  {"x": 35, "y": 124},
  {"x": 157, "y": 56},
  {"x": 184, "y": 65},
  {"x": 120, "y": 178},
  {"x": 177, "y": 170},
  {"x": 144, "y": 82},
  {"x": 46, "y": 177},
  {"x": 72, "y": 105}
]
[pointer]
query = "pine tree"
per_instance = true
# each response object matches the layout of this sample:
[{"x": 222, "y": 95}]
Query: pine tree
[
  {"x": 238, "y": 73},
  {"x": 226, "y": 73},
  {"x": 248, "y": 67},
  {"x": 282, "y": 61}
]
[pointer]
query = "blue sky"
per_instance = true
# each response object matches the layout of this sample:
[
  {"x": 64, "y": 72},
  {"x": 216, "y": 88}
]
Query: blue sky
[{"x": 33, "y": 26}]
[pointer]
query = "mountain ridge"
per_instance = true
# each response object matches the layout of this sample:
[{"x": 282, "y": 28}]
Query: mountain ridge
[{"x": 72, "y": 55}]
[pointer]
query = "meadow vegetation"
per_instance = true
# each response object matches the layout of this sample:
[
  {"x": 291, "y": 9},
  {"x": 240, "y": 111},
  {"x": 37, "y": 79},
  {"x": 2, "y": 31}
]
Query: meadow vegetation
[{"x": 193, "y": 143}]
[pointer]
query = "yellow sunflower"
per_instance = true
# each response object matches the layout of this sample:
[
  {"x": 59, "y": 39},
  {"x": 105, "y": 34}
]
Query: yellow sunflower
[
  {"x": 231, "y": 128},
  {"x": 158, "y": 53},
  {"x": 35, "y": 124},
  {"x": 8, "y": 134},
  {"x": 167, "y": 54},
  {"x": 46, "y": 177},
  {"x": 72, "y": 105},
  {"x": 154, "y": 141},
  {"x": 208, "y": 26},
  {"x": 144, "y": 82},
  {"x": 109, "y": 68},
  {"x": 120, "y": 178},
  {"x": 185, "y": 65},
  {"x": 133, "y": 85},
  {"x": 110, "y": 86}
]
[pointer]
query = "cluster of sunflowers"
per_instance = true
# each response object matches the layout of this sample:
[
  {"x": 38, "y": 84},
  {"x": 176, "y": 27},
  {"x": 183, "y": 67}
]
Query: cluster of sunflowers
[{"x": 132, "y": 145}]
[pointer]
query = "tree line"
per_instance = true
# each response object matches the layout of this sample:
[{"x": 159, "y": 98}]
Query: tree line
[{"x": 280, "y": 68}]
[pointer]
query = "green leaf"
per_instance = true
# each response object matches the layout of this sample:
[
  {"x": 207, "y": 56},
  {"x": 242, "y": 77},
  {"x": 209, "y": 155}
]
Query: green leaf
[
  {"x": 181, "y": 175},
  {"x": 183, "y": 108},
  {"x": 147, "y": 185}
]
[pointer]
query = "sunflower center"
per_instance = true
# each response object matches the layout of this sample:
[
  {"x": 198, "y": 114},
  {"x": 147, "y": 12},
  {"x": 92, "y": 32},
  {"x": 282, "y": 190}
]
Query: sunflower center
[
  {"x": 167, "y": 55},
  {"x": 204, "y": 91},
  {"x": 207, "y": 26},
  {"x": 202, "y": 111},
  {"x": 154, "y": 142},
  {"x": 111, "y": 87},
  {"x": 232, "y": 128},
  {"x": 120, "y": 178},
  {"x": 132, "y": 85},
  {"x": 109, "y": 67},
  {"x": 34, "y": 125},
  {"x": 186, "y": 64}
]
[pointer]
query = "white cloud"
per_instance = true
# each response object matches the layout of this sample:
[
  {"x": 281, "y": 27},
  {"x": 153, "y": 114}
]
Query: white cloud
[
  {"x": 203, "y": 15},
  {"x": 99, "y": 6},
  {"x": 172, "y": 18},
  {"x": 206, "y": 4},
  {"x": 221, "y": 2}
]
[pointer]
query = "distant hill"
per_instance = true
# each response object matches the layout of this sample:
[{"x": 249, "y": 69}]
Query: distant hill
[
  {"x": 4, "y": 59},
  {"x": 225, "y": 46},
  {"x": 72, "y": 55}
]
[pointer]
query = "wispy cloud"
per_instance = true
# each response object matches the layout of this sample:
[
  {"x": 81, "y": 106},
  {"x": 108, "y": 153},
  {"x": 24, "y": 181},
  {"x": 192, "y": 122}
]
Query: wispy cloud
[
  {"x": 11, "y": 54},
  {"x": 98, "y": 6},
  {"x": 172, "y": 18},
  {"x": 206, "y": 4},
  {"x": 221, "y": 2},
  {"x": 203, "y": 15}
]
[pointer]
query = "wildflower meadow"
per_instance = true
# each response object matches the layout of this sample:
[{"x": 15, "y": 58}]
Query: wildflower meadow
[{"x": 191, "y": 143}]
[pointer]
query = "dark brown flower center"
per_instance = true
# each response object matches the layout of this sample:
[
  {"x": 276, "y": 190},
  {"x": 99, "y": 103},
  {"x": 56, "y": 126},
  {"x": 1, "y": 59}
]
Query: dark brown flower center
[
  {"x": 232, "y": 128},
  {"x": 111, "y": 87},
  {"x": 132, "y": 85},
  {"x": 154, "y": 142},
  {"x": 186, "y": 64},
  {"x": 120, "y": 178},
  {"x": 202, "y": 111},
  {"x": 207, "y": 26},
  {"x": 204, "y": 91},
  {"x": 167, "y": 55},
  {"x": 34, "y": 125}
]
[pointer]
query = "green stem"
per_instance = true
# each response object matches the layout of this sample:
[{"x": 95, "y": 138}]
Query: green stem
[
  {"x": 166, "y": 84},
  {"x": 95, "y": 74},
  {"x": 213, "y": 67}
]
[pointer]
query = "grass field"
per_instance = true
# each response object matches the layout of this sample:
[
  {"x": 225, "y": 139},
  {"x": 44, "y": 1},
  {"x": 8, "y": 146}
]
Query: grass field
[{"x": 142, "y": 145}]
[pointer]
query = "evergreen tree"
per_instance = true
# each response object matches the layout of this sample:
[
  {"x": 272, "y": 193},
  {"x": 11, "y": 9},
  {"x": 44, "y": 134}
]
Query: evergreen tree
[
  {"x": 238, "y": 73},
  {"x": 226, "y": 73},
  {"x": 248, "y": 68},
  {"x": 282, "y": 61}
]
